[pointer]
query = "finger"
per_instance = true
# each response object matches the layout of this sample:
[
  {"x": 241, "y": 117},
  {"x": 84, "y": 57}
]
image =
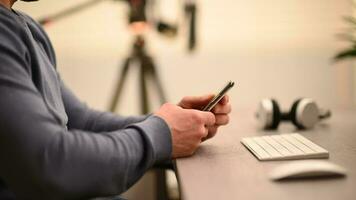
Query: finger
[
  {"x": 206, "y": 97},
  {"x": 212, "y": 130},
  {"x": 222, "y": 109},
  {"x": 206, "y": 132},
  {"x": 203, "y": 133},
  {"x": 221, "y": 119},
  {"x": 197, "y": 101},
  {"x": 208, "y": 118},
  {"x": 224, "y": 100},
  {"x": 200, "y": 99}
]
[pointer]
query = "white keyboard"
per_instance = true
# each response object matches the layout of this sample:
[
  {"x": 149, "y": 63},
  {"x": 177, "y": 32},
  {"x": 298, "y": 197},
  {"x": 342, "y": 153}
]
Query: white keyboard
[{"x": 283, "y": 147}]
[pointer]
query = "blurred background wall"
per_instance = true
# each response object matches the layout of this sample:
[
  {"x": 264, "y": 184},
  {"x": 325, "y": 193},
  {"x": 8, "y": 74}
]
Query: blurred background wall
[{"x": 280, "y": 48}]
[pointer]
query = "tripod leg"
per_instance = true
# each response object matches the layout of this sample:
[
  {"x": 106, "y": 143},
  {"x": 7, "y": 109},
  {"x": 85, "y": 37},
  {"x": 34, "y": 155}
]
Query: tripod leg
[
  {"x": 156, "y": 80},
  {"x": 160, "y": 170},
  {"x": 143, "y": 88},
  {"x": 119, "y": 86}
]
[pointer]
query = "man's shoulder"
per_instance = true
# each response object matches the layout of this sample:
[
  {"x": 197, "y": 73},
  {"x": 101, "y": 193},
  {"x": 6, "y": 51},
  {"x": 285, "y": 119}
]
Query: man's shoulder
[
  {"x": 27, "y": 18},
  {"x": 16, "y": 21},
  {"x": 11, "y": 26}
]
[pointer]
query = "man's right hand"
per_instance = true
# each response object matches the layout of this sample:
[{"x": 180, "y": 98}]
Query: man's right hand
[{"x": 188, "y": 127}]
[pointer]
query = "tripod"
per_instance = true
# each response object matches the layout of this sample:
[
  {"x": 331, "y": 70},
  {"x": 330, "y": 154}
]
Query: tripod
[{"x": 147, "y": 70}]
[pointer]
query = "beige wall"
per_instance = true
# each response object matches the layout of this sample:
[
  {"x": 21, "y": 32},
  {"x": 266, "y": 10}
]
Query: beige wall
[
  {"x": 354, "y": 74},
  {"x": 279, "y": 48},
  {"x": 354, "y": 85}
]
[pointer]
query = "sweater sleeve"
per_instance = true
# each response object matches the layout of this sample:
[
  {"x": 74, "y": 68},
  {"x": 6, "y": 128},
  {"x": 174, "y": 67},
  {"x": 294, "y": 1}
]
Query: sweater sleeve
[
  {"x": 80, "y": 116},
  {"x": 42, "y": 159}
]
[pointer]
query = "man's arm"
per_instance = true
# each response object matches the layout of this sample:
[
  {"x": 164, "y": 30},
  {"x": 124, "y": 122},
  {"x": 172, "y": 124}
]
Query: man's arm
[
  {"x": 80, "y": 116},
  {"x": 41, "y": 159}
]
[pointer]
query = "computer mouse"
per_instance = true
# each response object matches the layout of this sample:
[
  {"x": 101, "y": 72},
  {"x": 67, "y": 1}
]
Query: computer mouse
[{"x": 306, "y": 168}]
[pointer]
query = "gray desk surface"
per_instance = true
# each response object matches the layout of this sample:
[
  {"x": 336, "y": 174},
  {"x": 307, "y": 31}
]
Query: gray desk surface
[{"x": 223, "y": 168}]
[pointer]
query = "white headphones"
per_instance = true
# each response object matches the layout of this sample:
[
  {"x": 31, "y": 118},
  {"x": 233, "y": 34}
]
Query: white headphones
[{"x": 304, "y": 114}]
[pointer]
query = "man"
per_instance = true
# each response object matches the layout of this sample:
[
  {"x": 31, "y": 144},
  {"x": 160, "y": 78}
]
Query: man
[{"x": 54, "y": 147}]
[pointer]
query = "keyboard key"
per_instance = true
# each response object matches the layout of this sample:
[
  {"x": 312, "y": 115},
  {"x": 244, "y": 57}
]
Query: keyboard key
[
  {"x": 255, "y": 148},
  {"x": 298, "y": 144},
  {"x": 309, "y": 143},
  {"x": 294, "y": 150},
  {"x": 281, "y": 149},
  {"x": 267, "y": 147}
]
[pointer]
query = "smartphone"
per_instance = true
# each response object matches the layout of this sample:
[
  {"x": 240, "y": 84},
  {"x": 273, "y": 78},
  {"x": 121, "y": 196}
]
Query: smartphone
[{"x": 218, "y": 97}]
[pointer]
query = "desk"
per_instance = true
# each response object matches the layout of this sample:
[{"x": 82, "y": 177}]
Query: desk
[{"x": 223, "y": 168}]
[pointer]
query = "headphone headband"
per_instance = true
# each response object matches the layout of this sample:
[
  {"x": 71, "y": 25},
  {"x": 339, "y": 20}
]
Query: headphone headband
[{"x": 324, "y": 113}]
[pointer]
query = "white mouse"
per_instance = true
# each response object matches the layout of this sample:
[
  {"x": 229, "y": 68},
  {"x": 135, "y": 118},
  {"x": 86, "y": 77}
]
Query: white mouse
[{"x": 306, "y": 168}]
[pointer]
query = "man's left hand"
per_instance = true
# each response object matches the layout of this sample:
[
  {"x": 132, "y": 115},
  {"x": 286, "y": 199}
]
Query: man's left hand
[{"x": 221, "y": 110}]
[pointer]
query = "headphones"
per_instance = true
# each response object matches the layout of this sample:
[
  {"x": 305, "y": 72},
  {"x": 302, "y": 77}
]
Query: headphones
[{"x": 304, "y": 114}]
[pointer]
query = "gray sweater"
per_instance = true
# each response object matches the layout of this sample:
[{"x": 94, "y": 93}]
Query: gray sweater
[{"x": 52, "y": 146}]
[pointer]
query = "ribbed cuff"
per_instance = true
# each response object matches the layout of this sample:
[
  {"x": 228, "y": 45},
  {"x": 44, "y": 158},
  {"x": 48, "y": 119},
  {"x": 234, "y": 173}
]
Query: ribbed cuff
[{"x": 158, "y": 133}]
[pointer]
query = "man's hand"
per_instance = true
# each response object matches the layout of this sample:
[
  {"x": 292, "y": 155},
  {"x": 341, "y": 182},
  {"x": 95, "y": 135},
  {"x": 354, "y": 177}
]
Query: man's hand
[
  {"x": 188, "y": 127},
  {"x": 221, "y": 110}
]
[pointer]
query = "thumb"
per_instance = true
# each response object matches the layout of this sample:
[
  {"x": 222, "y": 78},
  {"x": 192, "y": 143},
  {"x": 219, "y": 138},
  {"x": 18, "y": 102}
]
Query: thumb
[
  {"x": 208, "y": 118},
  {"x": 204, "y": 99},
  {"x": 198, "y": 101}
]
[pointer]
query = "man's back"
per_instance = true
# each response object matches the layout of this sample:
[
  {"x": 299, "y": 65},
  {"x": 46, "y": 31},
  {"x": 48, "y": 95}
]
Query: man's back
[{"x": 37, "y": 55}]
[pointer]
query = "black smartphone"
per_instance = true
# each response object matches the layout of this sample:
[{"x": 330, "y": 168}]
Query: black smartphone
[{"x": 218, "y": 97}]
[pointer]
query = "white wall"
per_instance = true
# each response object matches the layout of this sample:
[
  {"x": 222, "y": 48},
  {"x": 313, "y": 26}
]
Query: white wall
[{"x": 280, "y": 48}]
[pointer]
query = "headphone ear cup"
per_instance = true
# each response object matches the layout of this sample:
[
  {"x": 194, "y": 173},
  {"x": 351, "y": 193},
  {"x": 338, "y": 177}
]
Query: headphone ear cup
[
  {"x": 306, "y": 113},
  {"x": 293, "y": 114},
  {"x": 276, "y": 118},
  {"x": 268, "y": 114}
]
